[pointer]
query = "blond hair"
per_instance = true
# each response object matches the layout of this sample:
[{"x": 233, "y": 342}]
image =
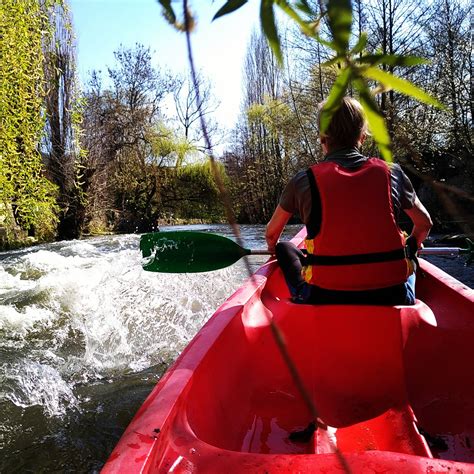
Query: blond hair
[{"x": 348, "y": 124}]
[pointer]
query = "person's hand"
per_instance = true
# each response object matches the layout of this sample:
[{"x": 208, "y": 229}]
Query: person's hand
[
  {"x": 271, "y": 244},
  {"x": 412, "y": 245}
]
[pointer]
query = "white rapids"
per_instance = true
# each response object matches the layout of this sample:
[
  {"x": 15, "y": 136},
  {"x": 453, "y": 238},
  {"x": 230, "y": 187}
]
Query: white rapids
[{"x": 75, "y": 312}]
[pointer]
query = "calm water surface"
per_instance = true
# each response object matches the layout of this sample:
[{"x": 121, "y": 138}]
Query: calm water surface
[{"x": 85, "y": 334}]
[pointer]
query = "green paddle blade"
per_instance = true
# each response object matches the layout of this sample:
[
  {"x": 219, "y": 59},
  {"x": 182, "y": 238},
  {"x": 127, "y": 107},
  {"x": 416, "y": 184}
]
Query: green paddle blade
[{"x": 189, "y": 252}]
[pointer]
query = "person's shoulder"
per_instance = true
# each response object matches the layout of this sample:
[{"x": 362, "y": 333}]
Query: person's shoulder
[
  {"x": 298, "y": 178},
  {"x": 397, "y": 171},
  {"x": 295, "y": 188},
  {"x": 301, "y": 174},
  {"x": 395, "y": 167}
]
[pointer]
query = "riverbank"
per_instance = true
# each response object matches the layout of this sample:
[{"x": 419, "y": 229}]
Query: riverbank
[
  {"x": 437, "y": 238},
  {"x": 22, "y": 240},
  {"x": 17, "y": 242}
]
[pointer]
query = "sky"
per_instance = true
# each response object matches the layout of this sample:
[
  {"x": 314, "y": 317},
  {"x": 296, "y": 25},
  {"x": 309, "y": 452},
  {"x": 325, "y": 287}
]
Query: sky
[{"x": 219, "y": 47}]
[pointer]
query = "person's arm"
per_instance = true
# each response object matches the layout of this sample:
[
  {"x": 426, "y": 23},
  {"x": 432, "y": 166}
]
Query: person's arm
[
  {"x": 275, "y": 227},
  {"x": 421, "y": 219}
]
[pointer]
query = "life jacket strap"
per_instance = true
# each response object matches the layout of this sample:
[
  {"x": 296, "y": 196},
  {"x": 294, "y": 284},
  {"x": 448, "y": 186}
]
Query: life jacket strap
[{"x": 376, "y": 257}]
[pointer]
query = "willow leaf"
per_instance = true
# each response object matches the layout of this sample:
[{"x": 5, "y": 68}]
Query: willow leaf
[
  {"x": 340, "y": 22},
  {"x": 333, "y": 61},
  {"x": 229, "y": 7},
  {"x": 267, "y": 19},
  {"x": 305, "y": 7},
  {"x": 334, "y": 99},
  {"x": 293, "y": 14},
  {"x": 168, "y": 11},
  {"x": 375, "y": 120},
  {"x": 361, "y": 43},
  {"x": 391, "y": 60},
  {"x": 400, "y": 85},
  {"x": 324, "y": 42}
]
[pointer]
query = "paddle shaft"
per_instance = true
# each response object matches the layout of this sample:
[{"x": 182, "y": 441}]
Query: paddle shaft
[
  {"x": 442, "y": 251},
  {"x": 423, "y": 251}
]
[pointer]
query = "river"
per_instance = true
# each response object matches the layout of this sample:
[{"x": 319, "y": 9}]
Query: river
[{"x": 85, "y": 334}]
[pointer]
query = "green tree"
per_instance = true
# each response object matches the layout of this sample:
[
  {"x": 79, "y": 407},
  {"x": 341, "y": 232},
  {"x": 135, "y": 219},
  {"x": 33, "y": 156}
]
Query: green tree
[
  {"x": 191, "y": 193},
  {"x": 60, "y": 143},
  {"x": 121, "y": 125},
  {"x": 27, "y": 197}
]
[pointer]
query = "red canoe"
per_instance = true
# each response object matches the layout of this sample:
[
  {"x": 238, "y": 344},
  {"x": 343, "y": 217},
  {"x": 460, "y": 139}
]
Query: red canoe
[{"x": 396, "y": 384}]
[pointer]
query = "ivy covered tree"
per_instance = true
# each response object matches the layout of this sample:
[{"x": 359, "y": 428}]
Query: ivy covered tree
[{"x": 27, "y": 197}]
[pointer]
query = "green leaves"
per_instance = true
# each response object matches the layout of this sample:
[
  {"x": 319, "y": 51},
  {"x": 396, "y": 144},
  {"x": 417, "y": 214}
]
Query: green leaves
[
  {"x": 267, "y": 20},
  {"x": 168, "y": 11},
  {"x": 340, "y": 21},
  {"x": 333, "y": 102},
  {"x": 229, "y": 7},
  {"x": 305, "y": 7},
  {"x": 360, "y": 45},
  {"x": 390, "y": 60},
  {"x": 375, "y": 119},
  {"x": 401, "y": 85},
  {"x": 360, "y": 69},
  {"x": 306, "y": 27}
]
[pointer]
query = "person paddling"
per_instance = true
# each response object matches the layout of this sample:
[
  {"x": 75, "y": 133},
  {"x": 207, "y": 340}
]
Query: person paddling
[{"x": 355, "y": 251}]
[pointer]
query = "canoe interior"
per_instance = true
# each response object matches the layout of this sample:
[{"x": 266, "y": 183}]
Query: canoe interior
[
  {"x": 439, "y": 366},
  {"x": 396, "y": 384},
  {"x": 350, "y": 360},
  {"x": 380, "y": 375}
]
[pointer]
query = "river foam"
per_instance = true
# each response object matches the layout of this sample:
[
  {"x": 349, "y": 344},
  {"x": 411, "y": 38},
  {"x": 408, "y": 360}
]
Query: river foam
[{"x": 93, "y": 306}]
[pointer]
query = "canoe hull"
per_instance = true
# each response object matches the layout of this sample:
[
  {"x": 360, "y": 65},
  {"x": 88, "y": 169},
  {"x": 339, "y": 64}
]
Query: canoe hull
[{"x": 378, "y": 375}]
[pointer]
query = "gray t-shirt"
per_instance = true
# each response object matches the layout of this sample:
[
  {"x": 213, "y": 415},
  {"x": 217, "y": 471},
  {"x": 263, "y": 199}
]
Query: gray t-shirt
[{"x": 296, "y": 197}]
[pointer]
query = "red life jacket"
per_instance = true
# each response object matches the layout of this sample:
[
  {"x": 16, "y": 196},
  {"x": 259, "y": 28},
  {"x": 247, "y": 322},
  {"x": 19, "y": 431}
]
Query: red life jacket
[{"x": 359, "y": 245}]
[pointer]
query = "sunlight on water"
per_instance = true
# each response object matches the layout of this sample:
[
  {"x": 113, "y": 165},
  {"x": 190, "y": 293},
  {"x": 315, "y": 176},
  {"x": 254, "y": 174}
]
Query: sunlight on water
[
  {"x": 84, "y": 311},
  {"x": 39, "y": 384}
]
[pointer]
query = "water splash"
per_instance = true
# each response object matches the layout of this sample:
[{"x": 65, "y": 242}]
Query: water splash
[
  {"x": 78, "y": 312},
  {"x": 31, "y": 383}
]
